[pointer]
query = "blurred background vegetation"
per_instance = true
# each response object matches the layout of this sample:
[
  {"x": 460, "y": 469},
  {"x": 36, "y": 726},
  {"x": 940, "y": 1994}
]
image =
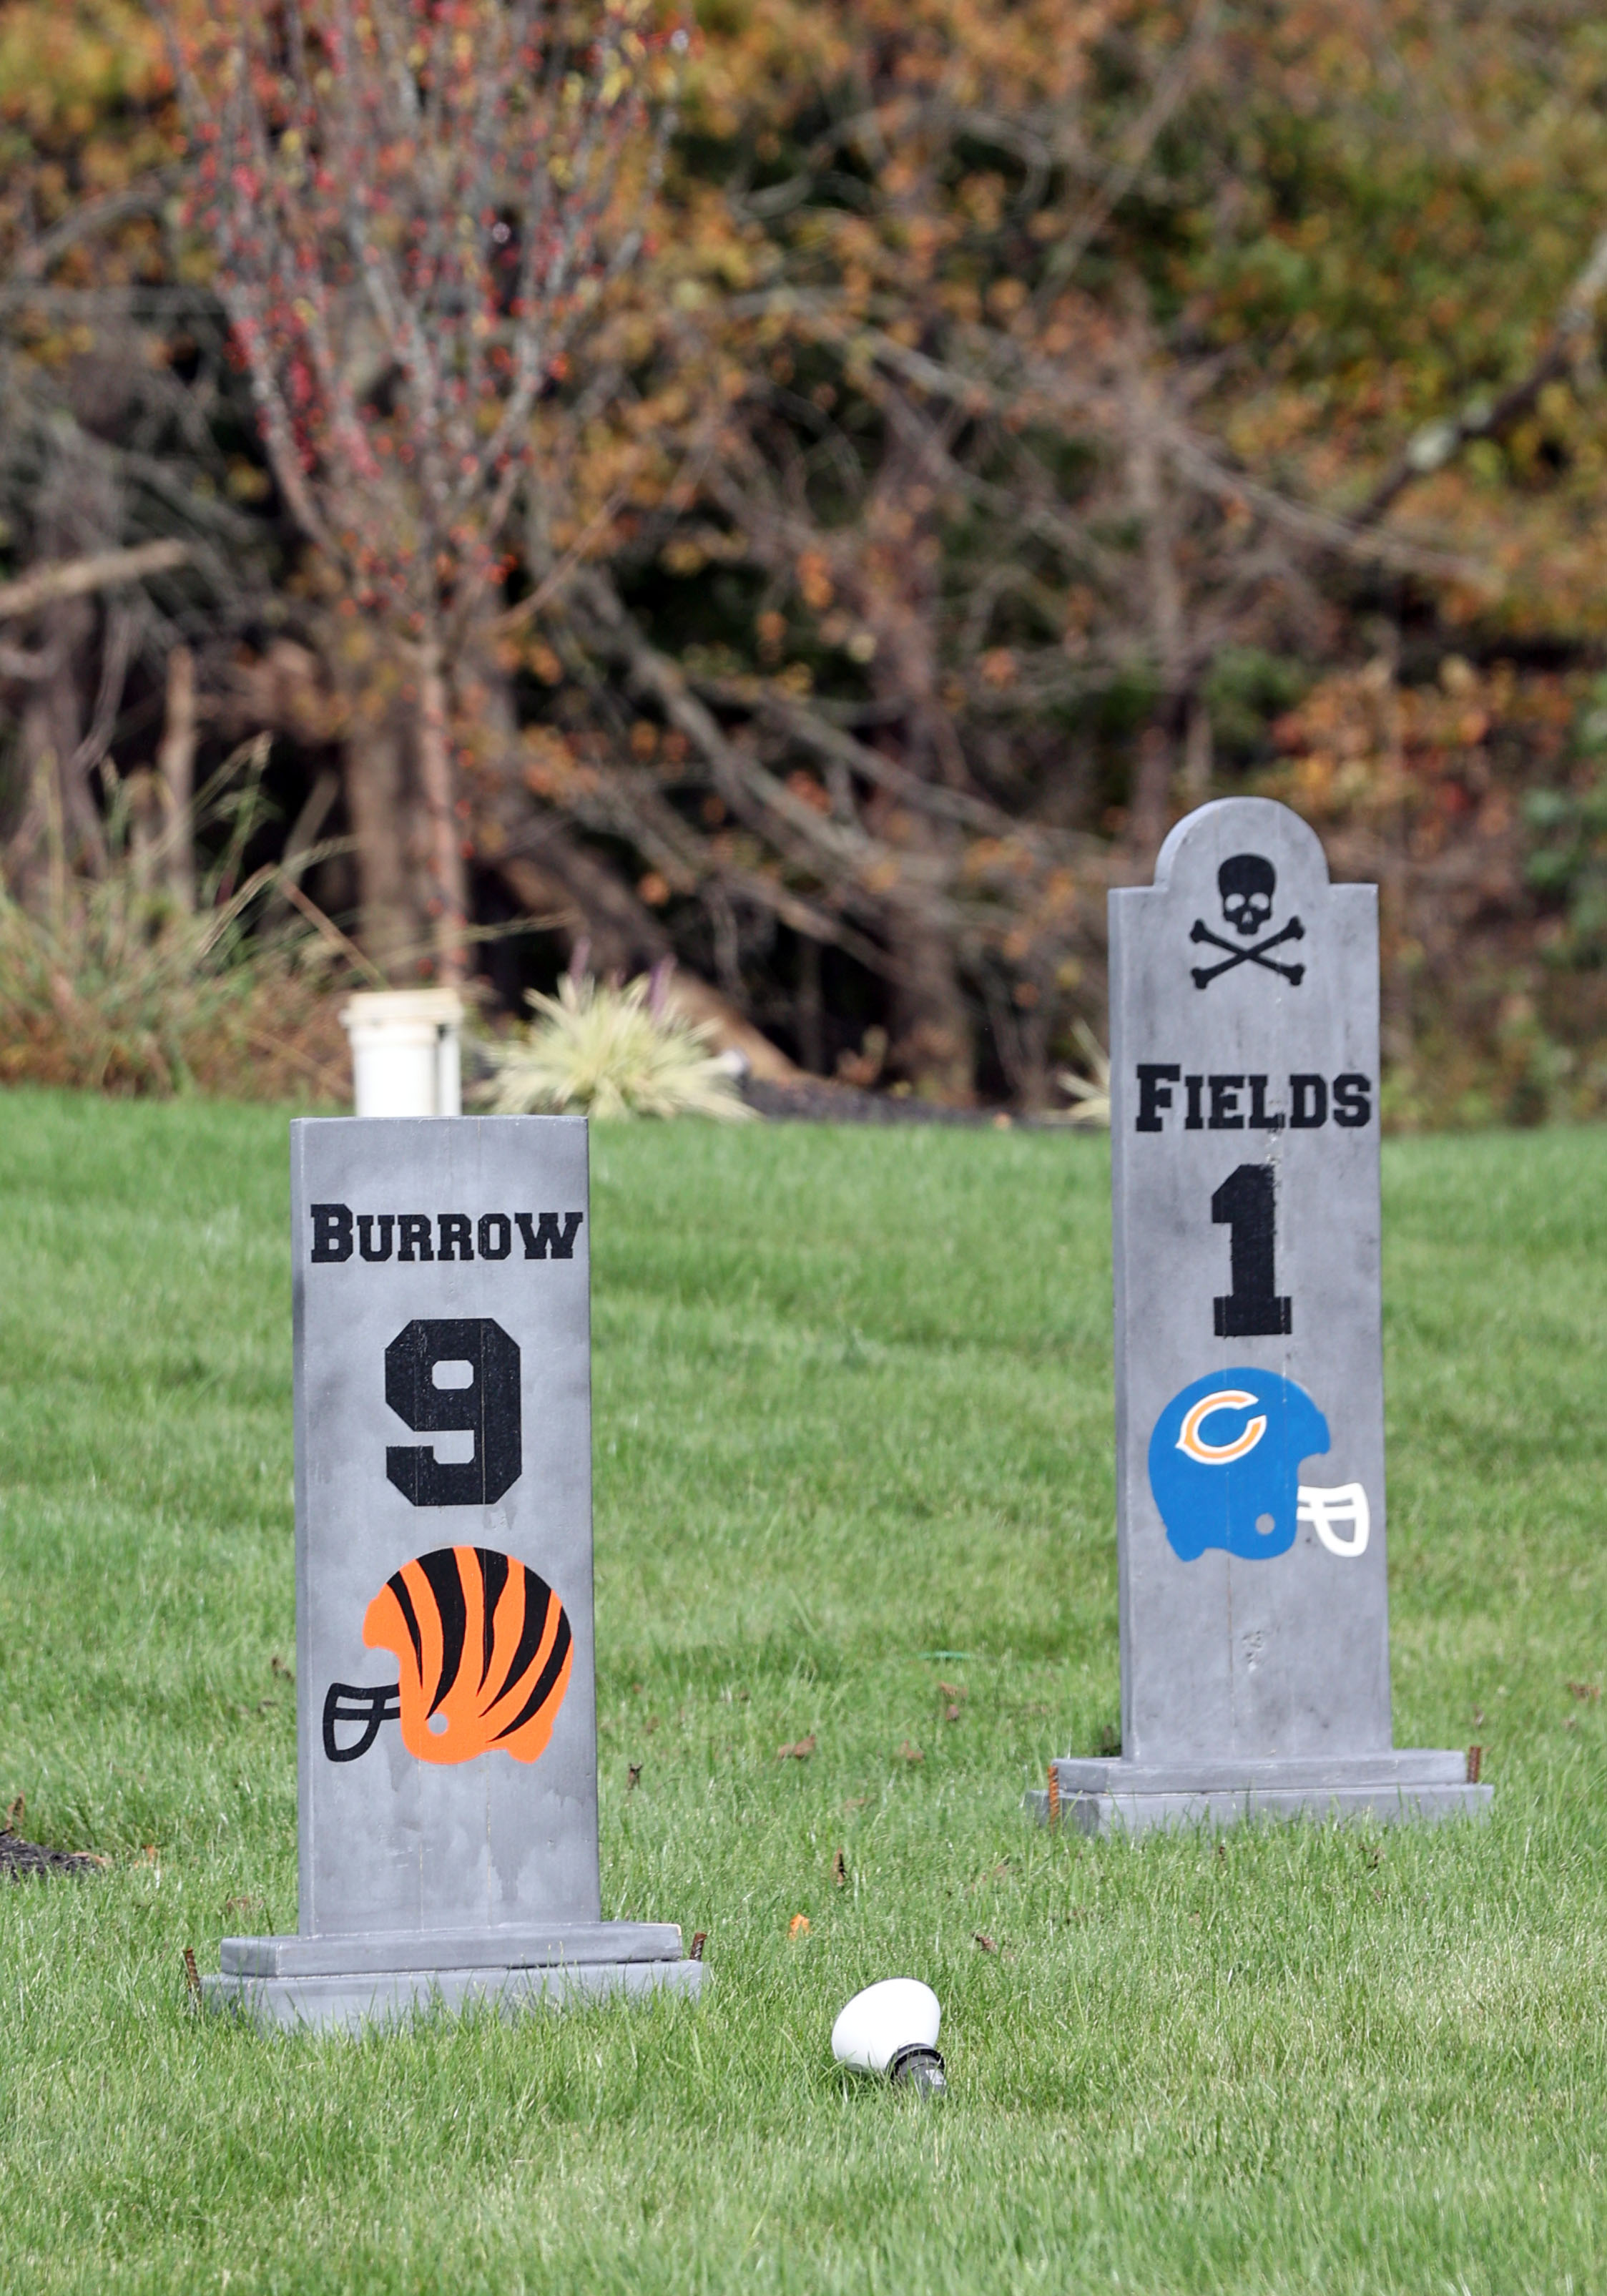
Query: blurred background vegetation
[{"x": 984, "y": 431}]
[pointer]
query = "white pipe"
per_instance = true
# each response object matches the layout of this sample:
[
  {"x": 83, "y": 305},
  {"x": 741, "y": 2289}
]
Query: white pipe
[{"x": 406, "y": 1052}]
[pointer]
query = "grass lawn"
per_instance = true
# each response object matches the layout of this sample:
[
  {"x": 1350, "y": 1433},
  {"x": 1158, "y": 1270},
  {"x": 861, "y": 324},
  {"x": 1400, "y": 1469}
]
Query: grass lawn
[{"x": 852, "y": 1408}]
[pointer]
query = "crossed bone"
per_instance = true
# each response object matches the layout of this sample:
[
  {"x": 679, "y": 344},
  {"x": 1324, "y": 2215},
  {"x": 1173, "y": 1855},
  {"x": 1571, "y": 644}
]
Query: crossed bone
[{"x": 1293, "y": 973}]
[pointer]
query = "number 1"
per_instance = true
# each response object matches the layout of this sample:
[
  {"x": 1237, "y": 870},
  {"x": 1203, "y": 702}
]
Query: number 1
[{"x": 1244, "y": 1203}]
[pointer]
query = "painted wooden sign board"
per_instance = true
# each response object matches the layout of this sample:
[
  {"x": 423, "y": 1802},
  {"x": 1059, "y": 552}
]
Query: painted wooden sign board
[
  {"x": 1250, "y": 1519},
  {"x": 446, "y": 1706}
]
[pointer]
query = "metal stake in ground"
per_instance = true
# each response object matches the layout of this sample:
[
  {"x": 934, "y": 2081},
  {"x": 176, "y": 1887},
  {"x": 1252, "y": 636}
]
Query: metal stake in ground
[
  {"x": 1255, "y": 1660},
  {"x": 447, "y": 1721}
]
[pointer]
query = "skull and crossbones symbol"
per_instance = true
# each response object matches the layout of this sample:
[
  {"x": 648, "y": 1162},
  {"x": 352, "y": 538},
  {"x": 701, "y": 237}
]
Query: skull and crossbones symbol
[{"x": 1247, "y": 882}]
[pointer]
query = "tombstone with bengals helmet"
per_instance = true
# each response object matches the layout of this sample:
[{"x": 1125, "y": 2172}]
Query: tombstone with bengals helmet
[
  {"x": 1250, "y": 1426},
  {"x": 445, "y": 1679}
]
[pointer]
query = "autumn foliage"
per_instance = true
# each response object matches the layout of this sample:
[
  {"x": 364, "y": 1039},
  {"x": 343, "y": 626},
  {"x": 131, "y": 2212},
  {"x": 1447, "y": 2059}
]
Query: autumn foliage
[{"x": 814, "y": 491}]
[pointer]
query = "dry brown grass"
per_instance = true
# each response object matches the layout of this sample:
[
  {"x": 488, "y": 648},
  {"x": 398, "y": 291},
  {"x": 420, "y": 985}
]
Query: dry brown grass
[{"x": 110, "y": 986}]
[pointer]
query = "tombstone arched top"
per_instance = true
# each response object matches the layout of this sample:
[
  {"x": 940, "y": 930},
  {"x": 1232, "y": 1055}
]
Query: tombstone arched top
[
  {"x": 1204, "y": 839},
  {"x": 1251, "y": 876},
  {"x": 1244, "y": 926}
]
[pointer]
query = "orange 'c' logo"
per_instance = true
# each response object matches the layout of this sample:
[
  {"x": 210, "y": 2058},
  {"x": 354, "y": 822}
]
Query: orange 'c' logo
[{"x": 1218, "y": 1455}]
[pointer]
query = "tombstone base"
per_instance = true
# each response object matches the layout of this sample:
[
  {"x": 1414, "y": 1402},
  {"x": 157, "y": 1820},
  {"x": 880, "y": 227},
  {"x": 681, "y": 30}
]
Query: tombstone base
[
  {"x": 376, "y": 1980},
  {"x": 1116, "y": 1796}
]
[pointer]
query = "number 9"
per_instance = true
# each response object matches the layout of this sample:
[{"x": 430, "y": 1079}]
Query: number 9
[{"x": 487, "y": 1408}]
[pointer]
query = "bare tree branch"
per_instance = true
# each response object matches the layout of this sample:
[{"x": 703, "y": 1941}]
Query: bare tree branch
[
  {"x": 818, "y": 733},
  {"x": 82, "y": 577},
  {"x": 146, "y": 197}
]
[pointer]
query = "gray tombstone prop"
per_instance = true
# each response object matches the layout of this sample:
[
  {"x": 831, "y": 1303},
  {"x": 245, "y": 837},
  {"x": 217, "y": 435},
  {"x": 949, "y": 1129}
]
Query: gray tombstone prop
[
  {"x": 1250, "y": 1430},
  {"x": 444, "y": 1680}
]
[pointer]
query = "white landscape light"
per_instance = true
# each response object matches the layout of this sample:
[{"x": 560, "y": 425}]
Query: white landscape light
[{"x": 892, "y": 2029}]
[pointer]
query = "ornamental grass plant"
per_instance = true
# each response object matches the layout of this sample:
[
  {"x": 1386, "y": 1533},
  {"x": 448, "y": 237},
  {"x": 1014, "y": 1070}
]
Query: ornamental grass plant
[
  {"x": 109, "y": 983},
  {"x": 1089, "y": 1094},
  {"x": 602, "y": 1050}
]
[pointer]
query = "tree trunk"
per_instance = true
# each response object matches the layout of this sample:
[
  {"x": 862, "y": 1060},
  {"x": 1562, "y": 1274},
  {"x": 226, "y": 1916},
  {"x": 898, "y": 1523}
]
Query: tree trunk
[
  {"x": 389, "y": 926},
  {"x": 175, "y": 761},
  {"x": 34, "y": 860},
  {"x": 932, "y": 1033},
  {"x": 1152, "y": 791},
  {"x": 808, "y": 1010},
  {"x": 448, "y": 891},
  {"x": 1198, "y": 751},
  {"x": 1148, "y": 481},
  {"x": 376, "y": 719},
  {"x": 932, "y": 1036},
  {"x": 60, "y": 826}
]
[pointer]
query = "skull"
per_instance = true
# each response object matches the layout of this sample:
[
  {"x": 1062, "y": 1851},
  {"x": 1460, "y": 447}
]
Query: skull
[{"x": 1247, "y": 883}]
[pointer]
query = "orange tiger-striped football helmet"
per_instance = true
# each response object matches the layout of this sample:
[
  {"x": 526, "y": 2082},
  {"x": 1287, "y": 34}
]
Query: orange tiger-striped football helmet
[{"x": 485, "y": 1652}]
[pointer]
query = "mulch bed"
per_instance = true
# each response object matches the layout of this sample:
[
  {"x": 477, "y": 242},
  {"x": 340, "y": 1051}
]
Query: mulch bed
[
  {"x": 22, "y": 1859},
  {"x": 817, "y": 1101}
]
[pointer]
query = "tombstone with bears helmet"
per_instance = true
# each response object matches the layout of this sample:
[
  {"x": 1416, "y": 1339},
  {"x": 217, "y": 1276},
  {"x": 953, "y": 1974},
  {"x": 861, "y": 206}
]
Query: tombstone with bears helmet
[
  {"x": 1250, "y": 1502},
  {"x": 446, "y": 1704}
]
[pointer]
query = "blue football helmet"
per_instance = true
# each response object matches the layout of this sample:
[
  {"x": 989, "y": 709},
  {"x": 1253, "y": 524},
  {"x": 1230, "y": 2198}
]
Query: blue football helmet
[{"x": 1224, "y": 1462}]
